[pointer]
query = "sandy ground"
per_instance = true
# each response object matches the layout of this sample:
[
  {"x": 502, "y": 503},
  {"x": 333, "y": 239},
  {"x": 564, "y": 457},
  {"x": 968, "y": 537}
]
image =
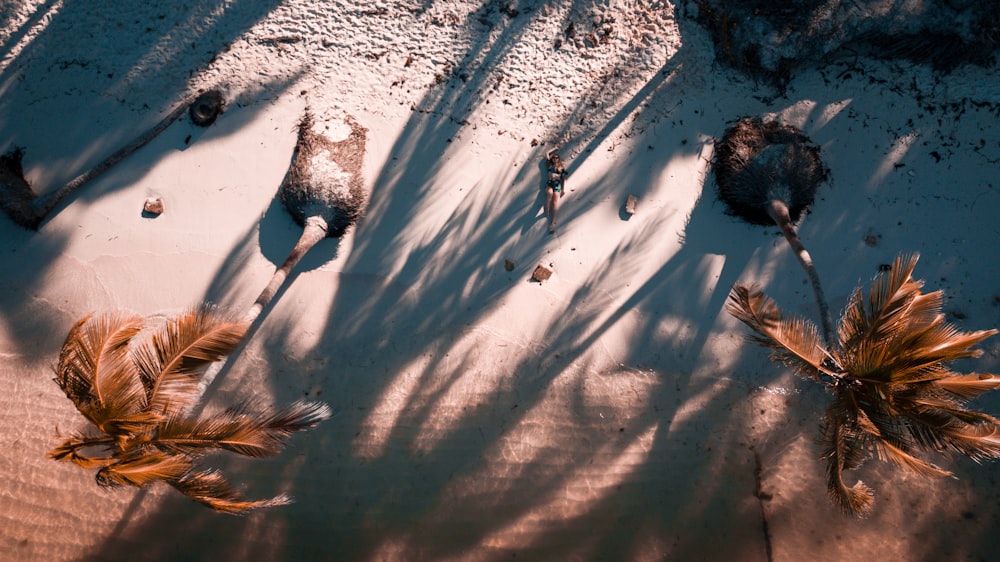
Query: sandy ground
[{"x": 613, "y": 412}]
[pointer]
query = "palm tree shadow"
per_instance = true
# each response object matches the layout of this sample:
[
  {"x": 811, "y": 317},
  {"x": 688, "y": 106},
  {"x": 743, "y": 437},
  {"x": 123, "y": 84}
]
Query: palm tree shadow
[
  {"x": 690, "y": 284},
  {"x": 22, "y": 31},
  {"x": 384, "y": 343},
  {"x": 49, "y": 62}
]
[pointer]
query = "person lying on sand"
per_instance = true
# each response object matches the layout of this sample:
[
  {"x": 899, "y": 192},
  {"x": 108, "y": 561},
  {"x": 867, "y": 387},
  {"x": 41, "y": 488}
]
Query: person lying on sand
[{"x": 555, "y": 185}]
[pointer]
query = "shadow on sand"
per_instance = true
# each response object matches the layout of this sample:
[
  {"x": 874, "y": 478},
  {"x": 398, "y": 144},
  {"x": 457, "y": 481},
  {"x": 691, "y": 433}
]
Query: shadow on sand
[{"x": 446, "y": 447}]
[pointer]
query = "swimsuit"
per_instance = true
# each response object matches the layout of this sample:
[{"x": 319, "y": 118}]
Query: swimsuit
[{"x": 555, "y": 181}]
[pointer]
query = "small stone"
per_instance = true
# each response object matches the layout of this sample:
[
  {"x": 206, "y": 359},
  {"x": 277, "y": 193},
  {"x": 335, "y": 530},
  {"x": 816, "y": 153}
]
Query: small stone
[
  {"x": 631, "y": 203},
  {"x": 508, "y": 265},
  {"x": 153, "y": 206},
  {"x": 541, "y": 273}
]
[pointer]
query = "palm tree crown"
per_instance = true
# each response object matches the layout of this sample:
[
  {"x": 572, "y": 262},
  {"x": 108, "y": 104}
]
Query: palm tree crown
[
  {"x": 892, "y": 393},
  {"x": 138, "y": 387}
]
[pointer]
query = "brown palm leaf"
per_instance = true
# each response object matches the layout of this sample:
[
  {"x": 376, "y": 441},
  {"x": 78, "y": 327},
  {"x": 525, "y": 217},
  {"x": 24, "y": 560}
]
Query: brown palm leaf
[
  {"x": 845, "y": 439},
  {"x": 794, "y": 342},
  {"x": 893, "y": 394},
  {"x": 96, "y": 372},
  {"x": 137, "y": 389},
  {"x": 212, "y": 489},
  {"x": 70, "y": 450},
  {"x": 900, "y": 333},
  {"x": 144, "y": 468},
  {"x": 171, "y": 364},
  {"x": 967, "y": 387},
  {"x": 247, "y": 429}
]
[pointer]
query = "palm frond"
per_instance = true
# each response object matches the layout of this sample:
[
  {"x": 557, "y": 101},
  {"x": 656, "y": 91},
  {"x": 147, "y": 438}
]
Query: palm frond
[
  {"x": 95, "y": 368},
  {"x": 241, "y": 429},
  {"x": 297, "y": 416},
  {"x": 211, "y": 488},
  {"x": 894, "y": 396},
  {"x": 139, "y": 470},
  {"x": 69, "y": 451},
  {"x": 847, "y": 431},
  {"x": 844, "y": 452},
  {"x": 938, "y": 343},
  {"x": 978, "y": 442},
  {"x": 889, "y": 290},
  {"x": 880, "y": 315},
  {"x": 888, "y": 452},
  {"x": 967, "y": 387},
  {"x": 856, "y": 500},
  {"x": 174, "y": 358},
  {"x": 865, "y": 424},
  {"x": 794, "y": 342},
  {"x": 936, "y": 422},
  {"x": 137, "y": 392},
  {"x": 139, "y": 422},
  {"x": 898, "y": 334}
]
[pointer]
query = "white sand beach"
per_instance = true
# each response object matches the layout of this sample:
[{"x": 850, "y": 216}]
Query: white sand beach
[{"x": 614, "y": 411}]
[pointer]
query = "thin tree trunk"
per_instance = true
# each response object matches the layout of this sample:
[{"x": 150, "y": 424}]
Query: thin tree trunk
[
  {"x": 315, "y": 230},
  {"x": 778, "y": 211},
  {"x": 43, "y": 205}
]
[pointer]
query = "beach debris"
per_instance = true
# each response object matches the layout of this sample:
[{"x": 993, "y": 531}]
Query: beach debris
[
  {"x": 206, "y": 108},
  {"x": 508, "y": 265},
  {"x": 280, "y": 41},
  {"x": 541, "y": 273},
  {"x": 137, "y": 382},
  {"x": 753, "y": 37},
  {"x": 630, "y": 204},
  {"x": 153, "y": 206}
]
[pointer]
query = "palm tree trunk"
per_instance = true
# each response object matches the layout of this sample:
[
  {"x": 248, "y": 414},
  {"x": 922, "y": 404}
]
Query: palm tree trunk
[
  {"x": 778, "y": 210},
  {"x": 43, "y": 205},
  {"x": 314, "y": 230}
]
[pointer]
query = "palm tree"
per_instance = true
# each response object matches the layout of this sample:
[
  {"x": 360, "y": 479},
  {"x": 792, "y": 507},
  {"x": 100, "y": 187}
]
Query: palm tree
[
  {"x": 892, "y": 393},
  {"x": 137, "y": 385},
  {"x": 322, "y": 190},
  {"x": 768, "y": 173}
]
